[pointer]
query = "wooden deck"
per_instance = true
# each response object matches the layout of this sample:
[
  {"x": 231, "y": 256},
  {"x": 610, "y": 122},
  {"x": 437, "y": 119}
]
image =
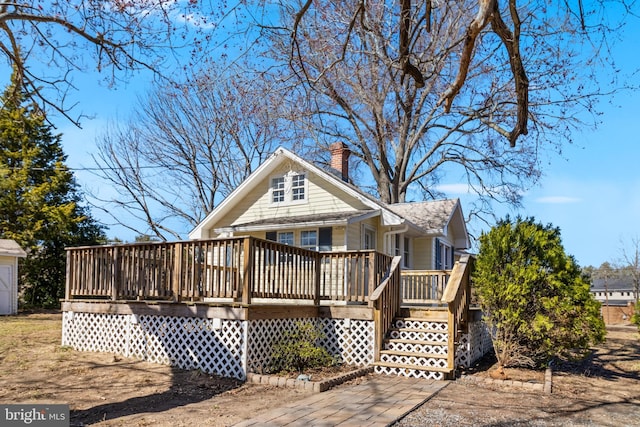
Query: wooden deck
[{"x": 246, "y": 278}]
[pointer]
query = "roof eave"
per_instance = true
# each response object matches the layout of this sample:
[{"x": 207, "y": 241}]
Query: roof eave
[
  {"x": 280, "y": 226},
  {"x": 16, "y": 253}
]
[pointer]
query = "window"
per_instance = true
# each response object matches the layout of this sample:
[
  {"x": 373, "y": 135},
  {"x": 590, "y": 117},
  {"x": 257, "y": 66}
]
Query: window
[
  {"x": 406, "y": 252},
  {"x": 289, "y": 188},
  {"x": 277, "y": 190},
  {"x": 325, "y": 239},
  {"x": 444, "y": 255},
  {"x": 402, "y": 248},
  {"x": 368, "y": 238},
  {"x": 297, "y": 187},
  {"x": 286, "y": 238},
  {"x": 309, "y": 239},
  {"x": 316, "y": 240}
]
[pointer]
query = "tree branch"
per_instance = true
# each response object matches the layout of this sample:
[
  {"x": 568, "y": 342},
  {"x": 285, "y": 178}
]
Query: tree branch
[
  {"x": 489, "y": 13},
  {"x": 512, "y": 42}
]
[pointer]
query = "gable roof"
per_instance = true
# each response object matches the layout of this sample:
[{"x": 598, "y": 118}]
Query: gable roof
[
  {"x": 414, "y": 215},
  {"x": 263, "y": 171},
  {"x": 10, "y": 247},
  {"x": 435, "y": 217}
]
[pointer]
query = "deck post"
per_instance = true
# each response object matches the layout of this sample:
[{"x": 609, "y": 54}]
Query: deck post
[
  {"x": 247, "y": 268},
  {"x": 318, "y": 267},
  {"x": 451, "y": 339},
  {"x": 378, "y": 332},
  {"x": 67, "y": 285},
  {"x": 115, "y": 281},
  {"x": 177, "y": 272},
  {"x": 371, "y": 274}
]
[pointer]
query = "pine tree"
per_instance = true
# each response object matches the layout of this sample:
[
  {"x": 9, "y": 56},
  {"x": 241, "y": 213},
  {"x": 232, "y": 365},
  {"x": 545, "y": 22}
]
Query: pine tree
[{"x": 39, "y": 199}]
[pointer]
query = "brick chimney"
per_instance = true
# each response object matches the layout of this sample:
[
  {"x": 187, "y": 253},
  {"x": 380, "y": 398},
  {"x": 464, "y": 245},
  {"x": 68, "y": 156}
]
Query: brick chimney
[{"x": 340, "y": 159}]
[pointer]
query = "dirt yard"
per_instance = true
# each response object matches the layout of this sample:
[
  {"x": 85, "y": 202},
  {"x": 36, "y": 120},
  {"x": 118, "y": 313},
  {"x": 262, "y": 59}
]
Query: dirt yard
[
  {"x": 602, "y": 390},
  {"x": 111, "y": 391}
]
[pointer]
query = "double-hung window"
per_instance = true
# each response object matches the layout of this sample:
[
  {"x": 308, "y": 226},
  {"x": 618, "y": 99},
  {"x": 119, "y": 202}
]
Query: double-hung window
[
  {"x": 309, "y": 239},
  {"x": 297, "y": 187},
  {"x": 289, "y": 188},
  {"x": 286, "y": 238},
  {"x": 402, "y": 249},
  {"x": 277, "y": 189},
  {"x": 444, "y": 255}
]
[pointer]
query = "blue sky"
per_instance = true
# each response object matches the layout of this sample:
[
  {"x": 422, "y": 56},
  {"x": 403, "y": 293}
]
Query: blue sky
[{"x": 592, "y": 192}]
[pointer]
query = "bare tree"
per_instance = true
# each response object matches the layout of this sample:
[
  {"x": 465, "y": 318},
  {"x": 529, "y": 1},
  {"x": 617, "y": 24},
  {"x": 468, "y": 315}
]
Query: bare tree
[
  {"x": 419, "y": 89},
  {"x": 184, "y": 149},
  {"x": 48, "y": 41},
  {"x": 504, "y": 21},
  {"x": 631, "y": 265},
  {"x": 606, "y": 272}
]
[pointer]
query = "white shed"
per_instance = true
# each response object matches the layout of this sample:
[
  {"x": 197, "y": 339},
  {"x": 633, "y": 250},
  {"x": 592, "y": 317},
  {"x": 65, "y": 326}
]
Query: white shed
[{"x": 10, "y": 251}]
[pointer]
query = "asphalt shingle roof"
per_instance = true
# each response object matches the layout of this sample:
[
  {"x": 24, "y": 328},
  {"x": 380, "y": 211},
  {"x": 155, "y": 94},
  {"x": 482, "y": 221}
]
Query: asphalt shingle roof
[{"x": 430, "y": 216}]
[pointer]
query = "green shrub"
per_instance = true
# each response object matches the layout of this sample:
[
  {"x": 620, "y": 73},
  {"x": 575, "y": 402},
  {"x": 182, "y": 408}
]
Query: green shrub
[
  {"x": 534, "y": 296},
  {"x": 635, "y": 319},
  {"x": 297, "y": 350}
]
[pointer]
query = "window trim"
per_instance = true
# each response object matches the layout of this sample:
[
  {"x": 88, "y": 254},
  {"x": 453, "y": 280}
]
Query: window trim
[
  {"x": 273, "y": 189},
  {"x": 444, "y": 255},
  {"x": 288, "y": 190},
  {"x": 314, "y": 247},
  {"x": 293, "y": 237},
  {"x": 370, "y": 230}
]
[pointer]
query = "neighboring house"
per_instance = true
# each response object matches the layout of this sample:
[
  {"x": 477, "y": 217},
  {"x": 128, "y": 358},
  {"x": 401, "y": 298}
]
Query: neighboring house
[
  {"x": 617, "y": 297},
  {"x": 290, "y": 200},
  {"x": 10, "y": 251}
]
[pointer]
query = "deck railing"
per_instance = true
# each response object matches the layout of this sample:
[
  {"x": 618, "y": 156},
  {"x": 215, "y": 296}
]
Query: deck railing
[
  {"x": 240, "y": 268},
  {"x": 385, "y": 301},
  {"x": 423, "y": 286},
  {"x": 457, "y": 296}
]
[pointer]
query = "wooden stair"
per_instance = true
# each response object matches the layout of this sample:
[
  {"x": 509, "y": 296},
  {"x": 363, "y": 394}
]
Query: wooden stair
[{"x": 416, "y": 346}]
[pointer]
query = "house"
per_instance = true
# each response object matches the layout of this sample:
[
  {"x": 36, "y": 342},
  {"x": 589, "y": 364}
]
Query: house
[
  {"x": 389, "y": 285},
  {"x": 10, "y": 251},
  {"x": 617, "y": 296},
  {"x": 292, "y": 201}
]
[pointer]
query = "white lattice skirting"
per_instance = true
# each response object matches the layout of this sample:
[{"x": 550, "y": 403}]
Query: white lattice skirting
[
  {"x": 473, "y": 345},
  {"x": 229, "y": 348}
]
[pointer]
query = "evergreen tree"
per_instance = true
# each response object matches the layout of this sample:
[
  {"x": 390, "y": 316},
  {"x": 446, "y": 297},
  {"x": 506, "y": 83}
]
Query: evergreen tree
[
  {"x": 535, "y": 298},
  {"x": 39, "y": 199}
]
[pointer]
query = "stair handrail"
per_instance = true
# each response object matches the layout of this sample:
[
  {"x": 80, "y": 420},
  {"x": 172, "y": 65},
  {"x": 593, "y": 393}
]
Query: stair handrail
[
  {"x": 385, "y": 301},
  {"x": 457, "y": 296}
]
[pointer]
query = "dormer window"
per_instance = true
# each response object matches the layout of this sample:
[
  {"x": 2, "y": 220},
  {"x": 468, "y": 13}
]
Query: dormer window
[{"x": 289, "y": 188}]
